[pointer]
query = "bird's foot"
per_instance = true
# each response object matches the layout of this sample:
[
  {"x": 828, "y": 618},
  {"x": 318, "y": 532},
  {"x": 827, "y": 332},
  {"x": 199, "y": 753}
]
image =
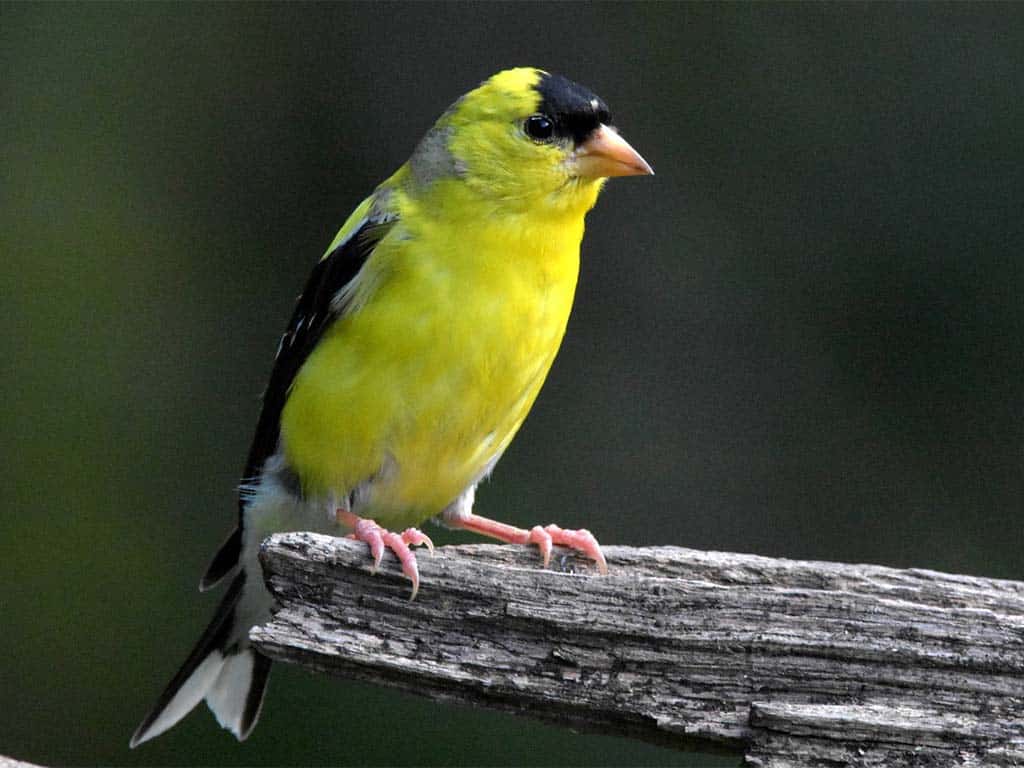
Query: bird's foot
[
  {"x": 380, "y": 538},
  {"x": 544, "y": 537}
]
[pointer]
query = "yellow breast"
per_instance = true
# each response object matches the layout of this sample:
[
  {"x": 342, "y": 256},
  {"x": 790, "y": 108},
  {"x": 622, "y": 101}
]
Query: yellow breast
[{"x": 430, "y": 377}]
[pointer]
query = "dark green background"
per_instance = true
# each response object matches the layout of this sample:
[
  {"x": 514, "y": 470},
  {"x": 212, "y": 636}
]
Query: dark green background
[{"x": 802, "y": 338}]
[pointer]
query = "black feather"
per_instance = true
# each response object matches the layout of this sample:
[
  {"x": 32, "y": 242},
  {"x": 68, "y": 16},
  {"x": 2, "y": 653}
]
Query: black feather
[
  {"x": 575, "y": 110},
  {"x": 254, "y": 699},
  {"x": 224, "y": 561},
  {"x": 314, "y": 313}
]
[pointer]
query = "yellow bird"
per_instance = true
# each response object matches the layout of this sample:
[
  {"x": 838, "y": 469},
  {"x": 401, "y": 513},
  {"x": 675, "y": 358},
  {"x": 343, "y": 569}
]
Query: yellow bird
[{"x": 414, "y": 353}]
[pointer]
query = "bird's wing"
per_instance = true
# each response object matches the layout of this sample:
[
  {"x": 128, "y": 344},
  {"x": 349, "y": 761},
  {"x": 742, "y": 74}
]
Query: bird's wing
[{"x": 316, "y": 309}]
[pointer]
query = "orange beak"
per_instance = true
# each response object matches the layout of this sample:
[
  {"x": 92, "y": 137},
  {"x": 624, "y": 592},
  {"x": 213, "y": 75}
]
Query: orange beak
[{"x": 606, "y": 154}]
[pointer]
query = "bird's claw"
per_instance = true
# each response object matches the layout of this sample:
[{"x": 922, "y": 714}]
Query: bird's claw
[
  {"x": 379, "y": 539},
  {"x": 581, "y": 540},
  {"x": 544, "y": 536}
]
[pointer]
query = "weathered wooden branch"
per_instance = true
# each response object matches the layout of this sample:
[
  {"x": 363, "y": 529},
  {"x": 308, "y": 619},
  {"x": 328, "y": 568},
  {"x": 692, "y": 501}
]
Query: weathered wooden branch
[{"x": 792, "y": 663}]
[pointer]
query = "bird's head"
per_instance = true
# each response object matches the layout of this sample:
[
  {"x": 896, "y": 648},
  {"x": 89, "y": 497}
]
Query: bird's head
[{"x": 527, "y": 140}]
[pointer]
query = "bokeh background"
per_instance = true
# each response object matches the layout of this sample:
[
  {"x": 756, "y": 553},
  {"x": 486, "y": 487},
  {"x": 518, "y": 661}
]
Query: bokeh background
[{"x": 802, "y": 338}]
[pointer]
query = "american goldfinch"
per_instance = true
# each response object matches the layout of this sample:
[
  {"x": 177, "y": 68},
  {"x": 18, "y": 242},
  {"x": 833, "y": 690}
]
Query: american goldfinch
[{"x": 414, "y": 353}]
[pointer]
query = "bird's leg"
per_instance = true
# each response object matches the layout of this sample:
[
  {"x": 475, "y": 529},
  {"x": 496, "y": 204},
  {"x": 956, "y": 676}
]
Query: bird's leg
[
  {"x": 543, "y": 536},
  {"x": 378, "y": 538}
]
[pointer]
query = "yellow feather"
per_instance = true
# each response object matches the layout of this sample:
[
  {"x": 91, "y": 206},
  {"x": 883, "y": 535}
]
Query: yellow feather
[{"x": 456, "y": 320}]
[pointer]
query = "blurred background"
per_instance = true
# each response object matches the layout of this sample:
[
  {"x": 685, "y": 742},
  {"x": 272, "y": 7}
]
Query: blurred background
[{"x": 802, "y": 338}]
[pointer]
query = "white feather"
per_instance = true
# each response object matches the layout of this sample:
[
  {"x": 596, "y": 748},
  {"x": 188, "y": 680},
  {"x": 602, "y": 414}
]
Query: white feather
[
  {"x": 226, "y": 699},
  {"x": 190, "y": 694}
]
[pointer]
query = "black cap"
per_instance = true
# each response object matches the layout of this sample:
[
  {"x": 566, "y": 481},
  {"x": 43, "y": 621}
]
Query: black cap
[{"x": 576, "y": 111}]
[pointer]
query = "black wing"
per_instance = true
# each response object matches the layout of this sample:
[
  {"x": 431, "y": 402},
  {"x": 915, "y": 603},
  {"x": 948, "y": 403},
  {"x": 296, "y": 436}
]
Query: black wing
[{"x": 315, "y": 311}]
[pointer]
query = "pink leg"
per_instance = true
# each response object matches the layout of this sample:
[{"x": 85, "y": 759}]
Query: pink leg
[
  {"x": 543, "y": 536},
  {"x": 378, "y": 538}
]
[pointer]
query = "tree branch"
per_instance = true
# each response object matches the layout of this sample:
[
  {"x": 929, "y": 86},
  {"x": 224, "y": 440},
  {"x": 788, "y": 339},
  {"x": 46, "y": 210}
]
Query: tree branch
[{"x": 793, "y": 663}]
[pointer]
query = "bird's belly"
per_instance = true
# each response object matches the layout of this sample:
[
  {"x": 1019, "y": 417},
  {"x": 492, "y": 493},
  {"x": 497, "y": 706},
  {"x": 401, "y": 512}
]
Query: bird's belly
[
  {"x": 463, "y": 426},
  {"x": 410, "y": 419}
]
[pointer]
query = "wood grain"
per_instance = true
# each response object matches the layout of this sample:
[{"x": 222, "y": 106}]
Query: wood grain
[{"x": 790, "y": 663}]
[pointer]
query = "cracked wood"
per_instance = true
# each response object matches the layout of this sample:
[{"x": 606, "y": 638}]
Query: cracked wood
[{"x": 791, "y": 663}]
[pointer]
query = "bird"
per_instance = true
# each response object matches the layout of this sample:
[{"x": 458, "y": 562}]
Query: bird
[{"x": 413, "y": 355}]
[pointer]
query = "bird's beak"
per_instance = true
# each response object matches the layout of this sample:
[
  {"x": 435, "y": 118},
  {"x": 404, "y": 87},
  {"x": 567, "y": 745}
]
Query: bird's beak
[{"x": 605, "y": 154}]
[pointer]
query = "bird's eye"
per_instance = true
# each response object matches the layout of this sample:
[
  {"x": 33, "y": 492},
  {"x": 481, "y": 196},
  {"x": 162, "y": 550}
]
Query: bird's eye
[{"x": 539, "y": 127}]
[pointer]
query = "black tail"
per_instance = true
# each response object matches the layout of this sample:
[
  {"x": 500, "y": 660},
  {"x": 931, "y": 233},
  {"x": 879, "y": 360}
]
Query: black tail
[
  {"x": 222, "y": 668},
  {"x": 225, "y": 561}
]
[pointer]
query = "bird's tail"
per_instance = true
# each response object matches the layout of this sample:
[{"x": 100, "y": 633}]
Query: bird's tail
[{"x": 222, "y": 668}]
